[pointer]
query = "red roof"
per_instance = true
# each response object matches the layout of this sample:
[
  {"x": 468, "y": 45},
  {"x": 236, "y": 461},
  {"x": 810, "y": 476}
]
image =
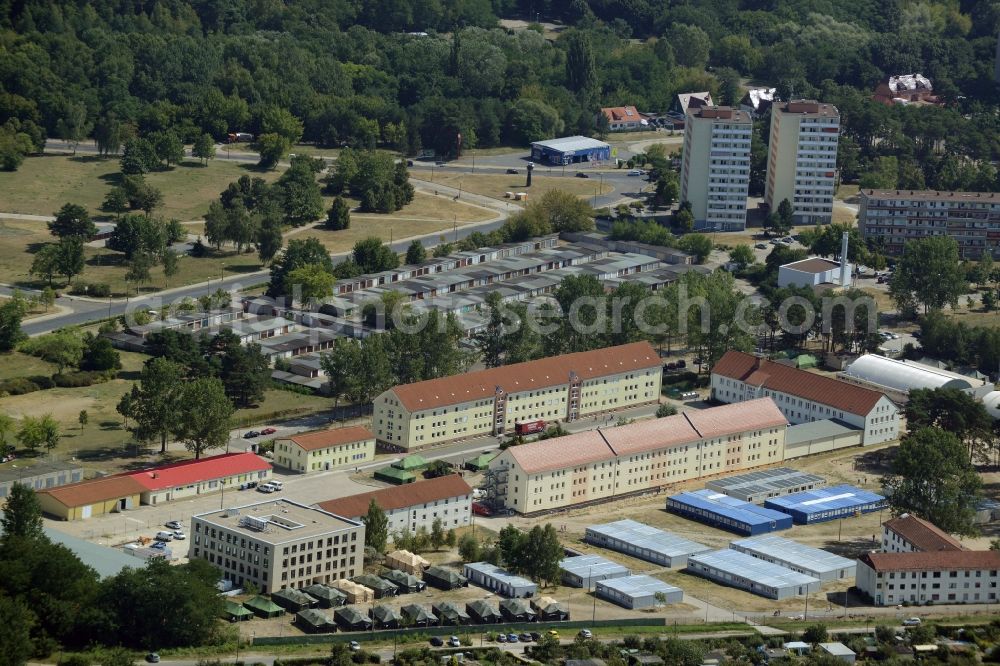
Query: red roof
[
  {"x": 622, "y": 114},
  {"x": 580, "y": 448},
  {"x": 933, "y": 561},
  {"x": 321, "y": 439},
  {"x": 189, "y": 472},
  {"x": 924, "y": 535},
  {"x": 800, "y": 383},
  {"x": 528, "y": 376},
  {"x": 93, "y": 491},
  {"x": 396, "y": 497}
]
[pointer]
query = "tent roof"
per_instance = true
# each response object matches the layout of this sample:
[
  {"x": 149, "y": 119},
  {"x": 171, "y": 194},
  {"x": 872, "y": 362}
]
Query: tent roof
[
  {"x": 386, "y": 613},
  {"x": 230, "y": 607},
  {"x": 295, "y": 596},
  {"x": 324, "y": 592},
  {"x": 411, "y": 462},
  {"x": 482, "y": 607},
  {"x": 263, "y": 604},
  {"x": 351, "y": 615},
  {"x": 417, "y": 612},
  {"x": 394, "y": 473},
  {"x": 374, "y": 582},
  {"x": 314, "y": 617}
]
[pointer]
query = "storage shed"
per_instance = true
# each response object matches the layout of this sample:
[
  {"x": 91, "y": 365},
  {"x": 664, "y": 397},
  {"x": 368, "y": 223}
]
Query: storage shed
[
  {"x": 728, "y": 513},
  {"x": 483, "y": 612},
  {"x": 517, "y": 610},
  {"x": 444, "y": 579},
  {"x": 765, "y": 484},
  {"x": 313, "y": 621},
  {"x": 350, "y": 618},
  {"x": 636, "y": 592},
  {"x": 816, "y": 506},
  {"x": 498, "y": 580},
  {"x": 797, "y": 556},
  {"x": 645, "y": 542},
  {"x": 739, "y": 570},
  {"x": 585, "y": 570}
]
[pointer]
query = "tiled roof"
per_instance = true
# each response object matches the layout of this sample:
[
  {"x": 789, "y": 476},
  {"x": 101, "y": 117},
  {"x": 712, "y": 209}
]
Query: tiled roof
[
  {"x": 321, "y": 439},
  {"x": 398, "y": 497},
  {"x": 621, "y": 113},
  {"x": 591, "y": 446},
  {"x": 189, "y": 472},
  {"x": 95, "y": 490},
  {"x": 924, "y": 535},
  {"x": 531, "y": 375},
  {"x": 933, "y": 561},
  {"x": 580, "y": 448},
  {"x": 800, "y": 383}
]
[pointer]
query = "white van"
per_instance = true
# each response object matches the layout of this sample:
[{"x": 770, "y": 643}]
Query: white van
[
  {"x": 164, "y": 536},
  {"x": 277, "y": 485}
]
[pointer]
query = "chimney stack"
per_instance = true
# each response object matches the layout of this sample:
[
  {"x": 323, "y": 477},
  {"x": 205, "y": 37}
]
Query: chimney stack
[{"x": 845, "y": 268}]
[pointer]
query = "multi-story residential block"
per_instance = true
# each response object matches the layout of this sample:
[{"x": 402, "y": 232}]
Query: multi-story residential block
[
  {"x": 909, "y": 534},
  {"x": 802, "y": 159},
  {"x": 325, "y": 449},
  {"x": 804, "y": 396},
  {"x": 715, "y": 173},
  {"x": 939, "y": 577},
  {"x": 605, "y": 463},
  {"x": 493, "y": 401},
  {"x": 893, "y": 217},
  {"x": 278, "y": 544},
  {"x": 412, "y": 506}
]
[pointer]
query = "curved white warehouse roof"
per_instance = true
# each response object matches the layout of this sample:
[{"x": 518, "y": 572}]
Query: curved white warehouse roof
[
  {"x": 903, "y": 375},
  {"x": 992, "y": 402}
]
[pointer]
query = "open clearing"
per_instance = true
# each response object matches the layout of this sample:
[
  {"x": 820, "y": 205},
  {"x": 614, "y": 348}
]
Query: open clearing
[
  {"x": 43, "y": 184},
  {"x": 496, "y": 185}
]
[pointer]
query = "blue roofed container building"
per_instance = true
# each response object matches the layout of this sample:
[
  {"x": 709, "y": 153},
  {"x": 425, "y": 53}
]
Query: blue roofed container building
[
  {"x": 832, "y": 503},
  {"x": 570, "y": 150},
  {"x": 728, "y": 513}
]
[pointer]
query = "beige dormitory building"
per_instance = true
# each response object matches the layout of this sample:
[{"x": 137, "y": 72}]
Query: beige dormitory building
[
  {"x": 278, "y": 544},
  {"x": 320, "y": 450},
  {"x": 605, "y": 463},
  {"x": 492, "y": 401}
]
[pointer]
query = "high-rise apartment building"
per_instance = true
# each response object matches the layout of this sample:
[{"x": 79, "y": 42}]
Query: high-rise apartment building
[
  {"x": 802, "y": 159},
  {"x": 715, "y": 173}
]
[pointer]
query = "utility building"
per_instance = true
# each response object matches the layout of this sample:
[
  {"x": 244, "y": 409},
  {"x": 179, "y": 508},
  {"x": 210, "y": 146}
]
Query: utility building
[
  {"x": 570, "y": 150},
  {"x": 644, "y": 542},
  {"x": 765, "y": 484},
  {"x": 816, "y": 506},
  {"x": 796, "y": 556},
  {"x": 585, "y": 570},
  {"x": 496, "y": 579},
  {"x": 636, "y": 592},
  {"x": 739, "y": 570},
  {"x": 728, "y": 513},
  {"x": 715, "y": 172},
  {"x": 802, "y": 159}
]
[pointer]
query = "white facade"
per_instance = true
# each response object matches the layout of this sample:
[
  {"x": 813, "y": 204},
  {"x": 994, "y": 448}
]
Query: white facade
[
  {"x": 811, "y": 272},
  {"x": 897, "y": 378},
  {"x": 955, "y": 577},
  {"x": 715, "y": 172},
  {"x": 802, "y": 159}
]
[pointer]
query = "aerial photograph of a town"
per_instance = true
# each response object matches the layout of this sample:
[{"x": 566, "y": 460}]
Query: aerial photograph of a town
[{"x": 499, "y": 332}]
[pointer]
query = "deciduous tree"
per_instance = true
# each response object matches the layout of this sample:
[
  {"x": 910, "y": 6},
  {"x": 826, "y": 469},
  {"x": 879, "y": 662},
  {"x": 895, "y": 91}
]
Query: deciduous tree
[
  {"x": 73, "y": 220},
  {"x": 376, "y": 527},
  {"x": 207, "y": 415}
]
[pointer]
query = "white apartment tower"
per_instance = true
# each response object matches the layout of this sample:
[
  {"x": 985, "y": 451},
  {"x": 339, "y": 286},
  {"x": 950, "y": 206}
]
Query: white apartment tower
[
  {"x": 802, "y": 159},
  {"x": 715, "y": 173}
]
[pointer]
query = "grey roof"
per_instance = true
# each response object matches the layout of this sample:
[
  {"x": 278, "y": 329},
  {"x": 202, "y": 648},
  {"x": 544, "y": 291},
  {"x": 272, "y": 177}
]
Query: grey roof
[
  {"x": 794, "y": 553},
  {"x": 384, "y": 614},
  {"x": 104, "y": 560},
  {"x": 648, "y": 538},
  {"x": 25, "y": 474},
  {"x": 767, "y": 480},
  {"x": 495, "y": 572},
  {"x": 638, "y": 586},
  {"x": 568, "y": 143},
  {"x": 587, "y": 566},
  {"x": 822, "y": 429},
  {"x": 747, "y": 566},
  {"x": 837, "y": 649}
]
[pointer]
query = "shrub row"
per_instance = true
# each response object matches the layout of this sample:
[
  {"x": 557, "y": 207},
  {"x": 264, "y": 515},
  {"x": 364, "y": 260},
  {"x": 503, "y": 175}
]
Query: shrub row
[
  {"x": 22, "y": 385},
  {"x": 81, "y": 378},
  {"x": 95, "y": 289}
]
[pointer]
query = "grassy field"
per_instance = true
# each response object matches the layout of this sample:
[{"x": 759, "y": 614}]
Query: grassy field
[
  {"x": 43, "y": 184},
  {"x": 495, "y": 185},
  {"x": 845, "y": 192}
]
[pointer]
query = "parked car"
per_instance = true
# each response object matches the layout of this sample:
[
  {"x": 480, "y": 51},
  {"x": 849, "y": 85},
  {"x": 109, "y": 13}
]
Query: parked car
[
  {"x": 501, "y": 638},
  {"x": 436, "y": 641},
  {"x": 439, "y": 163},
  {"x": 586, "y": 633},
  {"x": 670, "y": 367},
  {"x": 682, "y": 363},
  {"x": 535, "y": 635},
  {"x": 512, "y": 171},
  {"x": 248, "y": 485},
  {"x": 580, "y": 174},
  {"x": 454, "y": 642},
  {"x": 512, "y": 638},
  {"x": 173, "y": 524},
  {"x": 481, "y": 509},
  {"x": 761, "y": 246},
  {"x": 409, "y": 163},
  {"x": 635, "y": 172},
  {"x": 158, "y": 545},
  {"x": 251, "y": 434},
  {"x": 179, "y": 535},
  {"x": 153, "y": 658},
  {"x": 268, "y": 431},
  {"x": 554, "y": 634},
  {"x": 265, "y": 488},
  {"x": 912, "y": 622},
  {"x": 355, "y": 646},
  {"x": 525, "y": 637},
  {"x": 164, "y": 536}
]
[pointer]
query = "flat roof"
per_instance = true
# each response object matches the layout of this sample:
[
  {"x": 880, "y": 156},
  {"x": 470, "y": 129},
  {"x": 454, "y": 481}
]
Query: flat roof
[
  {"x": 571, "y": 143},
  {"x": 639, "y": 585},
  {"x": 41, "y": 468},
  {"x": 822, "y": 429},
  {"x": 277, "y": 521},
  {"x": 647, "y": 537},
  {"x": 747, "y": 566},
  {"x": 766, "y": 480},
  {"x": 805, "y": 557},
  {"x": 104, "y": 560},
  {"x": 502, "y": 575},
  {"x": 586, "y": 566},
  {"x": 729, "y": 507},
  {"x": 826, "y": 499},
  {"x": 812, "y": 265},
  {"x": 839, "y": 649},
  {"x": 807, "y": 107},
  {"x": 934, "y": 195}
]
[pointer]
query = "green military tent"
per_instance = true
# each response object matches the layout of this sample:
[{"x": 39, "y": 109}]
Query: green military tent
[
  {"x": 385, "y": 617},
  {"x": 314, "y": 621},
  {"x": 450, "y": 614},
  {"x": 480, "y": 462},
  {"x": 396, "y": 476},
  {"x": 264, "y": 607},
  {"x": 405, "y": 582},
  {"x": 380, "y": 586},
  {"x": 327, "y": 596},
  {"x": 418, "y": 616},
  {"x": 350, "y": 618},
  {"x": 292, "y": 600},
  {"x": 411, "y": 463},
  {"x": 235, "y": 612}
]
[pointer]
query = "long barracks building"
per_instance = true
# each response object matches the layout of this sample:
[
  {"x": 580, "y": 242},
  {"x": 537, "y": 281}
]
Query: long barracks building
[
  {"x": 602, "y": 464},
  {"x": 492, "y": 401}
]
